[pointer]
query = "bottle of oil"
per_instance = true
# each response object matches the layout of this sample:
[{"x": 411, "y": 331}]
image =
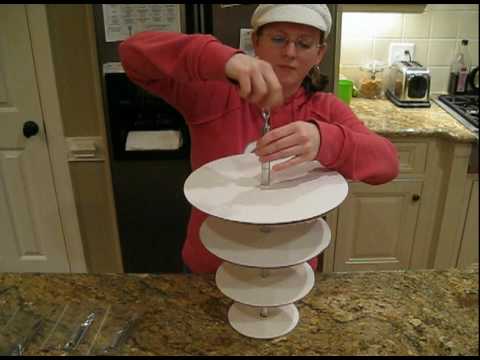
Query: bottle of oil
[{"x": 459, "y": 70}]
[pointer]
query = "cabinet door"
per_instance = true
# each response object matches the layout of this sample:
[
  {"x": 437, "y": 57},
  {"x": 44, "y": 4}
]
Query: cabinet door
[
  {"x": 376, "y": 226},
  {"x": 468, "y": 255}
]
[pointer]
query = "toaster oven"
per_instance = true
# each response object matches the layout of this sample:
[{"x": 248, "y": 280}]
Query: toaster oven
[{"x": 408, "y": 84}]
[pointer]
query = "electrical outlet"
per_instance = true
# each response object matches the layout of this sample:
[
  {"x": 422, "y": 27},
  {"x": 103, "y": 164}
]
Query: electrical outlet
[{"x": 397, "y": 52}]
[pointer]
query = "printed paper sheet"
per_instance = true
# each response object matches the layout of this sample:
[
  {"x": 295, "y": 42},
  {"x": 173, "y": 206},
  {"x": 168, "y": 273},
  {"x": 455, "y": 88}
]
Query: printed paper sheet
[{"x": 124, "y": 20}]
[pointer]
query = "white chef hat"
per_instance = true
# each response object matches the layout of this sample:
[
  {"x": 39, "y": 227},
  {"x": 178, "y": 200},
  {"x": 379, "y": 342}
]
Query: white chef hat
[{"x": 316, "y": 15}]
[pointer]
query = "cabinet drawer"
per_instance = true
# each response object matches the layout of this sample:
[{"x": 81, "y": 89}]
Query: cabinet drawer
[{"x": 412, "y": 157}]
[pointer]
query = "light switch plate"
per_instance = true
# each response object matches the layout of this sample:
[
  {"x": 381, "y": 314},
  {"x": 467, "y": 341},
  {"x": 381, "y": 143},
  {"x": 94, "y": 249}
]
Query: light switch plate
[
  {"x": 90, "y": 148},
  {"x": 397, "y": 52}
]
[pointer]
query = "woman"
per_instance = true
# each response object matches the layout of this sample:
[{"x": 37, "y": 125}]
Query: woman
[{"x": 220, "y": 92}]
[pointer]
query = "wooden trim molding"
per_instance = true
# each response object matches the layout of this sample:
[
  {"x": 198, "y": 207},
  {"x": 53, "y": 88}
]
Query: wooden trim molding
[
  {"x": 73, "y": 44},
  {"x": 42, "y": 53}
]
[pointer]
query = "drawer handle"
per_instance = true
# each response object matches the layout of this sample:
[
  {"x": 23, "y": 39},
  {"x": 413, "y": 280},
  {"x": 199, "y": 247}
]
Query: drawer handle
[{"x": 415, "y": 197}]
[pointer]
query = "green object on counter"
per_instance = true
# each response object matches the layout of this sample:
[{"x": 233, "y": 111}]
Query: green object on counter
[{"x": 344, "y": 91}]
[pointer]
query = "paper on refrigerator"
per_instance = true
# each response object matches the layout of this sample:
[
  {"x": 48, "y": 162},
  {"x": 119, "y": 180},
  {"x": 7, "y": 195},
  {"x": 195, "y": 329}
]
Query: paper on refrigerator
[{"x": 124, "y": 20}]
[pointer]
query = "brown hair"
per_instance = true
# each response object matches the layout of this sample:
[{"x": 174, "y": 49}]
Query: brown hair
[{"x": 315, "y": 80}]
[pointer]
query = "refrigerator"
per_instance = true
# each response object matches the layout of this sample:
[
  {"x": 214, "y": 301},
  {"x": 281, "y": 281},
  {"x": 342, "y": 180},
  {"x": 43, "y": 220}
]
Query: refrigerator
[{"x": 151, "y": 209}]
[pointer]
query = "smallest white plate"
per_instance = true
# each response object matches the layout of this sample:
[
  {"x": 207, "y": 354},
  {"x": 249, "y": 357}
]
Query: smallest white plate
[{"x": 247, "y": 320}]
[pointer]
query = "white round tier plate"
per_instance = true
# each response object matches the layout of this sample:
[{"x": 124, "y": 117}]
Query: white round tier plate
[
  {"x": 259, "y": 287},
  {"x": 248, "y": 245},
  {"x": 247, "y": 320},
  {"x": 229, "y": 188}
]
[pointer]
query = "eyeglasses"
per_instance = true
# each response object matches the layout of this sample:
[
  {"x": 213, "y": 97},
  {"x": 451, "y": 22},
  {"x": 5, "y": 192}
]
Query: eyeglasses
[{"x": 301, "y": 44}]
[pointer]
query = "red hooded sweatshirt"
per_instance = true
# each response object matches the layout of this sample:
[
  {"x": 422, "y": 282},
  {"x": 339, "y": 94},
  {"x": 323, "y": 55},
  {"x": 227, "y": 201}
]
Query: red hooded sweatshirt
[{"x": 188, "y": 72}]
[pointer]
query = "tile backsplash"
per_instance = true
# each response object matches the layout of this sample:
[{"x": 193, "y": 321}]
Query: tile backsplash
[{"x": 436, "y": 33}]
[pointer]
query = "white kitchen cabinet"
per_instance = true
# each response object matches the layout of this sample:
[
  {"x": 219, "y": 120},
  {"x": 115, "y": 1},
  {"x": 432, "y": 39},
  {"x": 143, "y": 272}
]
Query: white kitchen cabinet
[
  {"x": 468, "y": 255},
  {"x": 410, "y": 222},
  {"x": 452, "y": 210},
  {"x": 376, "y": 226}
]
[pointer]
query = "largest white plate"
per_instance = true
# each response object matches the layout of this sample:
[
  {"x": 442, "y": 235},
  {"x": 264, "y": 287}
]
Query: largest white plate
[{"x": 229, "y": 188}]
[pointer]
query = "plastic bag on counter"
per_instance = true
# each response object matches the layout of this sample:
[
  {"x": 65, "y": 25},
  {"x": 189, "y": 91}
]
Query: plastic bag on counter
[
  {"x": 20, "y": 329},
  {"x": 73, "y": 329},
  {"x": 117, "y": 328},
  {"x": 14, "y": 322},
  {"x": 67, "y": 329}
]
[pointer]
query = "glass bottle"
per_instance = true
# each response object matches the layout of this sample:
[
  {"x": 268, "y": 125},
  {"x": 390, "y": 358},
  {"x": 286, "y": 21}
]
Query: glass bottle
[{"x": 459, "y": 70}]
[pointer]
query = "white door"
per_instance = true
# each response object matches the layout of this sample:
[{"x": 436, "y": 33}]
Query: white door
[{"x": 31, "y": 237}]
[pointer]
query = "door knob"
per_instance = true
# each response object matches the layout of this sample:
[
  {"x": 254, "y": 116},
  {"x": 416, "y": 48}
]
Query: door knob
[
  {"x": 30, "y": 128},
  {"x": 416, "y": 197}
]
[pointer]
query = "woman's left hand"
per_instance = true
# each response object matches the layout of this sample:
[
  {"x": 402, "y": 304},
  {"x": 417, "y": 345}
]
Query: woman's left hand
[{"x": 299, "y": 139}]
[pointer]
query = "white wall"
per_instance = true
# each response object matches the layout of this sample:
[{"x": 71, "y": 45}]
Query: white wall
[{"x": 436, "y": 33}]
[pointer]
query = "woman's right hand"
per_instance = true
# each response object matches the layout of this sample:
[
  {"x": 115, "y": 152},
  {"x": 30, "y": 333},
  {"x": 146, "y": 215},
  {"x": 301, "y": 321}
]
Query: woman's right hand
[{"x": 257, "y": 81}]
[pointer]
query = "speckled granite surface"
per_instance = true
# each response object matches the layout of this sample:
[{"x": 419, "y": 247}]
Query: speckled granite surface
[
  {"x": 389, "y": 120},
  {"x": 403, "y": 312}
]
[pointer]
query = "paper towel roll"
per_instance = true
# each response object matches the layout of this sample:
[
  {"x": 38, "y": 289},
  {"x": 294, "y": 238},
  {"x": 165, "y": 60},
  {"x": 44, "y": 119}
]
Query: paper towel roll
[{"x": 153, "y": 140}]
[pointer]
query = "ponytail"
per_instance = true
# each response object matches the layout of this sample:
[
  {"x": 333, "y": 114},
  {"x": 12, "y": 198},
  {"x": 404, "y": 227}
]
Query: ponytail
[{"x": 315, "y": 81}]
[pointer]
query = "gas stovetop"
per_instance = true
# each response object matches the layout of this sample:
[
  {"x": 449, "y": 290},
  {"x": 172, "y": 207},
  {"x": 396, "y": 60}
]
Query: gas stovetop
[{"x": 463, "y": 107}]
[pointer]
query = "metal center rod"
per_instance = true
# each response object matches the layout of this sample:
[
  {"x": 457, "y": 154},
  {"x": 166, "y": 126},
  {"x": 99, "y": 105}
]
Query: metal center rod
[
  {"x": 264, "y": 312},
  {"x": 265, "y": 177}
]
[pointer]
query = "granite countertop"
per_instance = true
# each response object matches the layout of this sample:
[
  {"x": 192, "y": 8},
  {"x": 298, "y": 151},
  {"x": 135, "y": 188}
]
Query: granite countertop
[
  {"x": 389, "y": 120},
  {"x": 374, "y": 313}
]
